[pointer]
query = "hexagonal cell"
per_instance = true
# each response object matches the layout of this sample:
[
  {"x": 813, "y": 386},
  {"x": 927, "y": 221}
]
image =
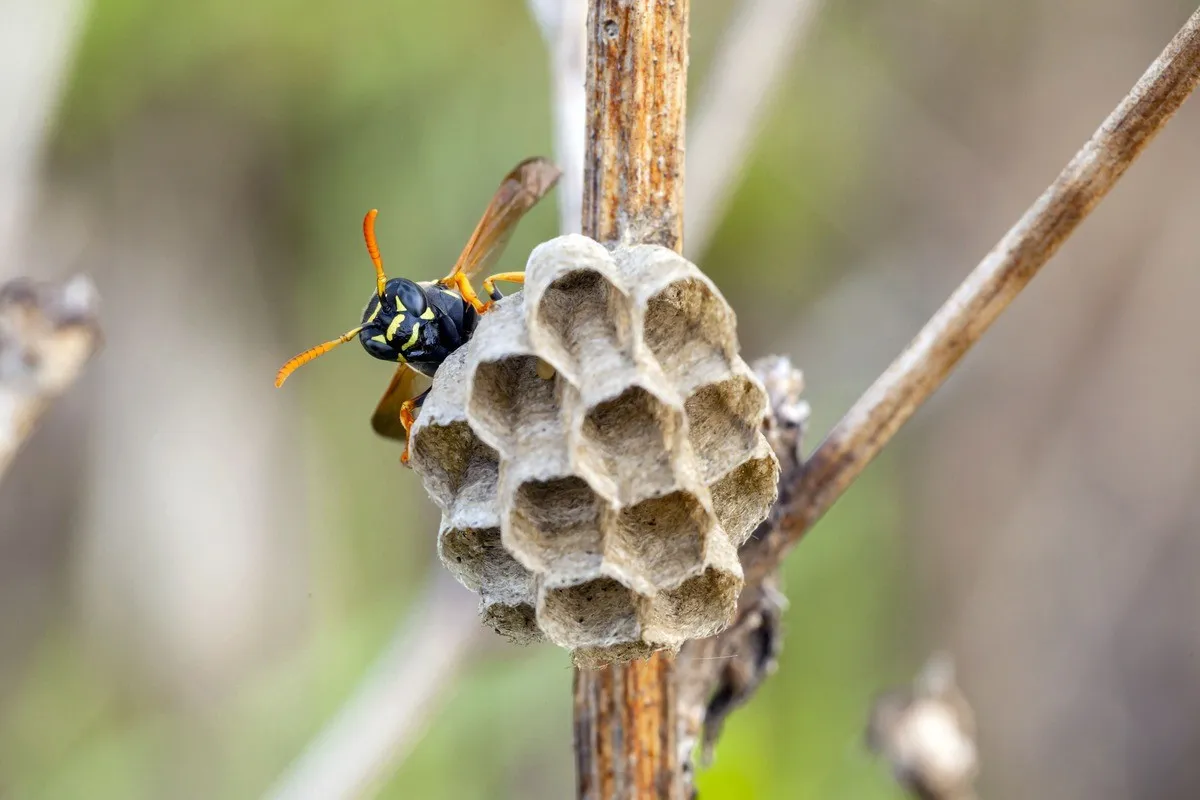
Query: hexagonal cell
[
  {"x": 660, "y": 540},
  {"x": 690, "y": 330},
  {"x": 631, "y": 439},
  {"x": 474, "y": 504},
  {"x": 557, "y": 527},
  {"x": 742, "y": 498},
  {"x": 596, "y": 613},
  {"x": 724, "y": 422},
  {"x": 478, "y": 560},
  {"x": 581, "y": 324},
  {"x": 517, "y": 623},
  {"x": 510, "y": 396},
  {"x": 452, "y": 459},
  {"x": 699, "y": 607}
]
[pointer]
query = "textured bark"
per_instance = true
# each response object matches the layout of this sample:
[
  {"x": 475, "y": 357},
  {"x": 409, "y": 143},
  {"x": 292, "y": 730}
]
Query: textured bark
[
  {"x": 624, "y": 731},
  {"x": 636, "y": 98},
  {"x": 625, "y": 716}
]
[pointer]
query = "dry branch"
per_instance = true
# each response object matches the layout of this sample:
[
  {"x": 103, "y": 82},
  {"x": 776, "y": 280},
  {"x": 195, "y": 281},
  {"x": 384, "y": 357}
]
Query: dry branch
[
  {"x": 996, "y": 281},
  {"x": 47, "y": 334},
  {"x": 636, "y": 103},
  {"x": 625, "y": 728}
]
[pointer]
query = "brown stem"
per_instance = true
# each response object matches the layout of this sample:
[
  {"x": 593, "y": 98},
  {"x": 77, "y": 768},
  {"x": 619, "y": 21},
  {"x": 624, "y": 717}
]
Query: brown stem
[
  {"x": 994, "y": 283},
  {"x": 625, "y": 715},
  {"x": 636, "y": 97}
]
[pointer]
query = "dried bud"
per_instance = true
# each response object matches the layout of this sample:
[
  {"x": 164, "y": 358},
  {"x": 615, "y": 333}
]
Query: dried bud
[{"x": 927, "y": 734}]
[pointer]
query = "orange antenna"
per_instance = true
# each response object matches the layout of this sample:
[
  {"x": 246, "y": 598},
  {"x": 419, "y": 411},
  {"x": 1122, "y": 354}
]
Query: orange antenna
[
  {"x": 373, "y": 248},
  {"x": 309, "y": 355}
]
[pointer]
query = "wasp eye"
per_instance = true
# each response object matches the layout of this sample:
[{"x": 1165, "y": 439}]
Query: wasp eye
[{"x": 404, "y": 295}]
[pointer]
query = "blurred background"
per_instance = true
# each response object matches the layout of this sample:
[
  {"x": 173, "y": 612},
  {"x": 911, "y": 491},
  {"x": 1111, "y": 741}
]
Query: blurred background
[{"x": 197, "y": 570}]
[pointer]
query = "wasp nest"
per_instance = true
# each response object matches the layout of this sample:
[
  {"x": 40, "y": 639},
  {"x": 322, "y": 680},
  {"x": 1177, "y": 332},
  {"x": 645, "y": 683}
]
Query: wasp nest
[{"x": 597, "y": 454}]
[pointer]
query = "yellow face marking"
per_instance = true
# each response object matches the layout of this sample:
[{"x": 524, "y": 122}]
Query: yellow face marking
[
  {"x": 400, "y": 306},
  {"x": 394, "y": 325},
  {"x": 428, "y": 313},
  {"x": 374, "y": 314},
  {"x": 378, "y": 338},
  {"x": 412, "y": 339}
]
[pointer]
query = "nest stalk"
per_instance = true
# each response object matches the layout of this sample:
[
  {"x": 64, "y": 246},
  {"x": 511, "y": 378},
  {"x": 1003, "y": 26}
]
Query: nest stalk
[{"x": 637, "y": 58}]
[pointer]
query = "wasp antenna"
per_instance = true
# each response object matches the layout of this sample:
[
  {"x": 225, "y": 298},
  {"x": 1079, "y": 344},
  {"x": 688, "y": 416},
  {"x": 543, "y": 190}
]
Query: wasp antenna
[
  {"x": 373, "y": 248},
  {"x": 308, "y": 355}
]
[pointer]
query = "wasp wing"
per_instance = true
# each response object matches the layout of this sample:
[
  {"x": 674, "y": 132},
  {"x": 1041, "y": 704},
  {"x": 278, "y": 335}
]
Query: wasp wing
[
  {"x": 386, "y": 419},
  {"x": 520, "y": 191}
]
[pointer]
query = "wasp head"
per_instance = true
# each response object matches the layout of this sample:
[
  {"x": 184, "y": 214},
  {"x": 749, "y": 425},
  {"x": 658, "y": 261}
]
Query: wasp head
[{"x": 390, "y": 320}]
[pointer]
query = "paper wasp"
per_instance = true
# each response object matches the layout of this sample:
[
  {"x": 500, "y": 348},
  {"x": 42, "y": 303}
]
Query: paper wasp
[{"x": 419, "y": 324}]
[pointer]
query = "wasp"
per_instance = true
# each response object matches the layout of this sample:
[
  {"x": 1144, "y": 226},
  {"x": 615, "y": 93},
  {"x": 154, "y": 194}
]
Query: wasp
[{"x": 419, "y": 324}]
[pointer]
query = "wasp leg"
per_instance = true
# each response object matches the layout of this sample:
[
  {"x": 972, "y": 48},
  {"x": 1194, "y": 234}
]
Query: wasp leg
[
  {"x": 462, "y": 283},
  {"x": 407, "y": 418},
  {"x": 489, "y": 285}
]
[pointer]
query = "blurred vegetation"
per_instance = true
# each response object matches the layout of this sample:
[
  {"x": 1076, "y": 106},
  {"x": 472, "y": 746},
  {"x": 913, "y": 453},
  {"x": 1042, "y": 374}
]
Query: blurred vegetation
[{"x": 418, "y": 109}]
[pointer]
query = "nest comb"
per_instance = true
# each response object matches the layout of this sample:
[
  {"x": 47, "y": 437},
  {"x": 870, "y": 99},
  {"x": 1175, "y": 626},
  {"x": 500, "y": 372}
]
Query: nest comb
[{"x": 596, "y": 451}]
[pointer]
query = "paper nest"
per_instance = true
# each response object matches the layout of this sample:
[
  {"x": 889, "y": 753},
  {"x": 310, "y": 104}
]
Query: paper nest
[{"x": 597, "y": 453}]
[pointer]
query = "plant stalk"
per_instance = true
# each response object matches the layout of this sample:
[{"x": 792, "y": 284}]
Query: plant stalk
[{"x": 637, "y": 55}]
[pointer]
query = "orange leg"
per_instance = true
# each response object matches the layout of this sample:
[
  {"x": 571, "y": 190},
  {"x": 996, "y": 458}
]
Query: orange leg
[
  {"x": 489, "y": 285},
  {"x": 461, "y": 282},
  {"x": 406, "y": 419}
]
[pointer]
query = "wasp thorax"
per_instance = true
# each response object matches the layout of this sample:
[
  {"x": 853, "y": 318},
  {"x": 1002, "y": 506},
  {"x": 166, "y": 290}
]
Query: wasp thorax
[{"x": 392, "y": 321}]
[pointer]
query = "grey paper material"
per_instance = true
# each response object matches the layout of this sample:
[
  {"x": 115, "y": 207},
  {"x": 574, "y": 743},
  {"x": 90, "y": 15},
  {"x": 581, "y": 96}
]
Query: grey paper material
[{"x": 596, "y": 451}]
